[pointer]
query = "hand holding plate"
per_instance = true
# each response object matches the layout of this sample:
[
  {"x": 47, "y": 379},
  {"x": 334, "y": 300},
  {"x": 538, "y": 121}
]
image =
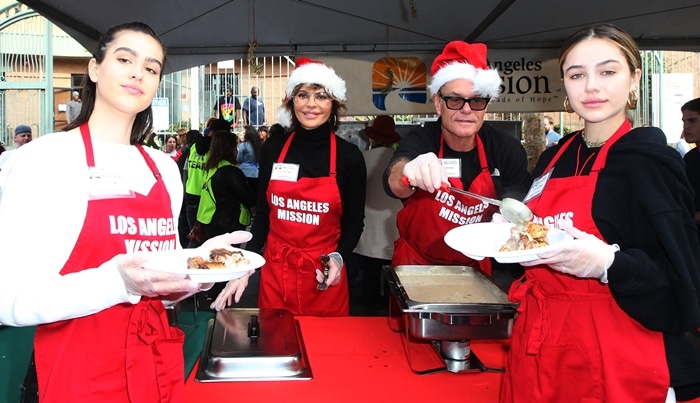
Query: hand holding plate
[
  {"x": 583, "y": 256},
  {"x": 151, "y": 283}
]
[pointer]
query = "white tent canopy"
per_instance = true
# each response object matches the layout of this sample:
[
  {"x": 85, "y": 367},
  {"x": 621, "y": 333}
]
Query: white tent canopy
[{"x": 198, "y": 32}]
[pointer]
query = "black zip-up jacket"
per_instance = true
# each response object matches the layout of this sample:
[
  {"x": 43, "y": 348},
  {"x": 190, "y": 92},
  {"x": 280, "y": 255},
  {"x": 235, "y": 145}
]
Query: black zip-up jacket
[{"x": 644, "y": 203}]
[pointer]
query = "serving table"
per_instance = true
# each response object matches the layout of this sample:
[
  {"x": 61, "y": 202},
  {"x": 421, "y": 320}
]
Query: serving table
[
  {"x": 363, "y": 359},
  {"x": 352, "y": 358}
]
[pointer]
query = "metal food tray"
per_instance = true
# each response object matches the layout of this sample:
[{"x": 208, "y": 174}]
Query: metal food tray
[
  {"x": 253, "y": 345},
  {"x": 462, "y": 303}
]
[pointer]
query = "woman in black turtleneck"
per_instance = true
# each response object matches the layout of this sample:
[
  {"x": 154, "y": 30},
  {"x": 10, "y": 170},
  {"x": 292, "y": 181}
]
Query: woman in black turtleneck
[{"x": 310, "y": 202}]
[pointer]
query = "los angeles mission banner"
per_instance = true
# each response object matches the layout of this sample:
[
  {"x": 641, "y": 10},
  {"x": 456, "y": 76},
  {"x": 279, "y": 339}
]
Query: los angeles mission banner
[{"x": 397, "y": 84}]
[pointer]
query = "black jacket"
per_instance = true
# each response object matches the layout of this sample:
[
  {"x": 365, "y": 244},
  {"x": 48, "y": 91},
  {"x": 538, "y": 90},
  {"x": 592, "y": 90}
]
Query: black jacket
[
  {"x": 644, "y": 203},
  {"x": 230, "y": 189},
  {"x": 506, "y": 158}
]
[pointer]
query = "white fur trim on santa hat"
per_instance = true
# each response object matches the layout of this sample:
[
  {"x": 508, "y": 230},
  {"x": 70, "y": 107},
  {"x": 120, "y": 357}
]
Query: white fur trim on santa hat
[
  {"x": 284, "y": 117},
  {"x": 487, "y": 83},
  {"x": 317, "y": 73}
]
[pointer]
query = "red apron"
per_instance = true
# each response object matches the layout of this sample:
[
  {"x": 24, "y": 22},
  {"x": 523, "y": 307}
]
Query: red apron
[
  {"x": 426, "y": 217},
  {"x": 304, "y": 224},
  {"x": 571, "y": 341},
  {"x": 126, "y": 353}
]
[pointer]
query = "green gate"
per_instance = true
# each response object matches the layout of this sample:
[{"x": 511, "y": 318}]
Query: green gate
[{"x": 26, "y": 70}]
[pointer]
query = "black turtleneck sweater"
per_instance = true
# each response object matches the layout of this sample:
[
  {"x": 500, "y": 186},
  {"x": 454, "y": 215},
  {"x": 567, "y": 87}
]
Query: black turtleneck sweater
[{"x": 311, "y": 150}]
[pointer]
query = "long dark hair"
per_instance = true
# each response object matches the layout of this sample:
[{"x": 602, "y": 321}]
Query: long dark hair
[
  {"x": 144, "y": 120},
  {"x": 252, "y": 136},
  {"x": 223, "y": 148}
]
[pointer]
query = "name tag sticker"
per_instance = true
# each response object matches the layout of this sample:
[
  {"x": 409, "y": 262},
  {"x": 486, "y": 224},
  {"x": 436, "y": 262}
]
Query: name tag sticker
[
  {"x": 453, "y": 167},
  {"x": 538, "y": 186},
  {"x": 107, "y": 185},
  {"x": 285, "y": 172}
]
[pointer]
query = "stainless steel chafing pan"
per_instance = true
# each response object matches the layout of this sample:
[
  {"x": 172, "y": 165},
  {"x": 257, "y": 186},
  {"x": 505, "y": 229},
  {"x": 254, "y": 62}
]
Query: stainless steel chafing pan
[{"x": 449, "y": 306}]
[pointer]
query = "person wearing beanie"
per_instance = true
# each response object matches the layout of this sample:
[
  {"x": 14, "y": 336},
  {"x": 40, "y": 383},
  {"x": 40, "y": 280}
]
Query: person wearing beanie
[
  {"x": 459, "y": 150},
  {"x": 73, "y": 107},
  {"x": 23, "y": 135},
  {"x": 228, "y": 108},
  {"x": 311, "y": 197}
]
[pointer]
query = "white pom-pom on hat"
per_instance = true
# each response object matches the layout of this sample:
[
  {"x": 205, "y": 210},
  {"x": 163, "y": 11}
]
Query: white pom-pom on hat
[{"x": 284, "y": 117}]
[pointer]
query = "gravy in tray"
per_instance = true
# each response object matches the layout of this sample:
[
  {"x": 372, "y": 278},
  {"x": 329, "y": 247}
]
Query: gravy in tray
[{"x": 444, "y": 284}]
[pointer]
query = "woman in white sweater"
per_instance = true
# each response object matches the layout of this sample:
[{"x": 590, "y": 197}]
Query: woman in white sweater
[{"x": 78, "y": 209}]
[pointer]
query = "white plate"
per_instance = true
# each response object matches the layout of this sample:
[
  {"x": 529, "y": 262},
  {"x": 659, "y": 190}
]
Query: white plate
[
  {"x": 175, "y": 261},
  {"x": 481, "y": 240}
]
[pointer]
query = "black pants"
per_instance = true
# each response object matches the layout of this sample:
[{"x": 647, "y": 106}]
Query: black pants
[
  {"x": 30, "y": 387},
  {"x": 183, "y": 226},
  {"x": 371, "y": 269},
  {"x": 191, "y": 206}
]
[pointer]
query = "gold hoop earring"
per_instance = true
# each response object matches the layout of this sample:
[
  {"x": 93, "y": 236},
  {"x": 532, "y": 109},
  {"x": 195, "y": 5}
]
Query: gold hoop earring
[
  {"x": 567, "y": 105},
  {"x": 632, "y": 100}
]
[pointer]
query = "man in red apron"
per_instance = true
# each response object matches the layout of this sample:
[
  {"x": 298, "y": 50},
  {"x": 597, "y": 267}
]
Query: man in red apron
[
  {"x": 423, "y": 223},
  {"x": 126, "y": 352},
  {"x": 458, "y": 150}
]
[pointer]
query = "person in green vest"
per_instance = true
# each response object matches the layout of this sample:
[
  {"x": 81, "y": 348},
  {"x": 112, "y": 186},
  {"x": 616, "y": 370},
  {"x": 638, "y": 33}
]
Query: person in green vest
[
  {"x": 226, "y": 197},
  {"x": 195, "y": 179}
]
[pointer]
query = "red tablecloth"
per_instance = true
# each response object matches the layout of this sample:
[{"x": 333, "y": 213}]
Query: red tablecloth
[{"x": 361, "y": 359}]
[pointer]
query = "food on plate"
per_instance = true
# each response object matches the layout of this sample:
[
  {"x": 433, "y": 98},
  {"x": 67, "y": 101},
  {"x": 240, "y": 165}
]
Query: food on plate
[
  {"x": 219, "y": 258},
  {"x": 534, "y": 236}
]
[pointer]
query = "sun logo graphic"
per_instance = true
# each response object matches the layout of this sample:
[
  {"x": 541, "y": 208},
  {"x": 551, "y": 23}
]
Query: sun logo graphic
[{"x": 398, "y": 79}]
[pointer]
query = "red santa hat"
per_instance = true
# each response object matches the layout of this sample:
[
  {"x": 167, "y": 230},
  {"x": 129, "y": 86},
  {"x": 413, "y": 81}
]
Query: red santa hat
[
  {"x": 460, "y": 59},
  {"x": 310, "y": 71}
]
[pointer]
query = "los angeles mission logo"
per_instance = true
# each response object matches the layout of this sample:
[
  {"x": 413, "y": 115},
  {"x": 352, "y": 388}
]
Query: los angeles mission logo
[
  {"x": 454, "y": 211},
  {"x": 155, "y": 234},
  {"x": 301, "y": 211}
]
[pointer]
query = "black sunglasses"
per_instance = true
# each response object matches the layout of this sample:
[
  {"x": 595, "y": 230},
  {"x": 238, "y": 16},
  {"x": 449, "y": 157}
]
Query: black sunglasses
[{"x": 457, "y": 103}]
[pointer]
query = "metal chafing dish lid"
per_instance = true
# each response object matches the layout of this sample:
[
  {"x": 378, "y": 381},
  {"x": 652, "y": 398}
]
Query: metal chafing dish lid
[
  {"x": 253, "y": 344},
  {"x": 254, "y": 332}
]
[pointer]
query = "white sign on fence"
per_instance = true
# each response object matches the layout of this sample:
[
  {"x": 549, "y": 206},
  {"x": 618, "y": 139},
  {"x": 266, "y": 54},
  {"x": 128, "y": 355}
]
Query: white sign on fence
[
  {"x": 161, "y": 113},
  {"x": 673, "y": 90}
]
